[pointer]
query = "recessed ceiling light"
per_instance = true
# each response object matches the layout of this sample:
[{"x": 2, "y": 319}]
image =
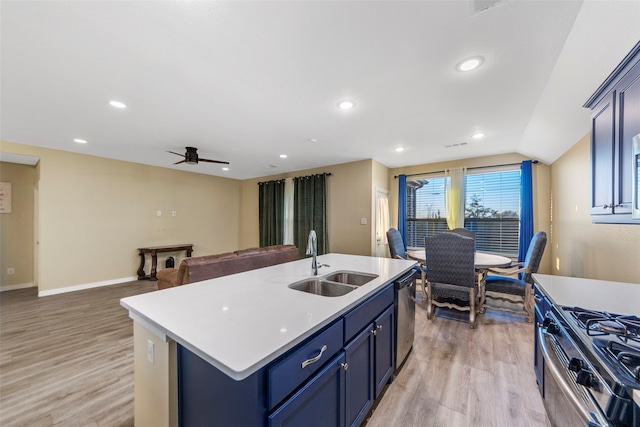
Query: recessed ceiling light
[
  {"x": 225, "y": 169},
  {"x": 470, "y": 63},
  {"x": 478, "y": 135},
  {"x": 117, "y": 104},
  {"x": 283, "y": 156},
  {"x": 399, "y": 149},
  {"x": 80, "y": 141},
  {"x": 312, "y": 140},
  {"x": 346, "y": 105}
]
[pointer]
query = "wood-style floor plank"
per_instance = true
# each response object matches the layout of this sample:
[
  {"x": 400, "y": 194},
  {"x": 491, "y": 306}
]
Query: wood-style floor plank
[
  {"x": 67, "y": 360},
  {"x": 469, "y": 377}
]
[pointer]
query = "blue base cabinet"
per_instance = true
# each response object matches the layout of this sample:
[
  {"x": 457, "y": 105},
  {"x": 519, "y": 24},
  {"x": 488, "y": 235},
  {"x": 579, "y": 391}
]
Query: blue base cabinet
[
  {"x": 542, "y": 305},
  {"x": 320, "y": 402},
  {"x": 331, "y": 379}
]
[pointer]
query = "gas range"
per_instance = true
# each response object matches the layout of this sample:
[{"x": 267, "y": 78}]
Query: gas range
[
  {"x": 616, "y": 337},
  {"x": 603, "y": 356}
]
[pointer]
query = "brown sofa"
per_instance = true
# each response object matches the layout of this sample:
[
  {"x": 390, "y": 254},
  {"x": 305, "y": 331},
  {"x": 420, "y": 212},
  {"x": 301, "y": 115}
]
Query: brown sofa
[{"x": 200, "y": 268}]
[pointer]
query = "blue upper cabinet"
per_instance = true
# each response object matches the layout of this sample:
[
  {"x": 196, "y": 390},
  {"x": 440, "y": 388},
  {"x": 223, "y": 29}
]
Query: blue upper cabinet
[{"x": 615, "y": 120}]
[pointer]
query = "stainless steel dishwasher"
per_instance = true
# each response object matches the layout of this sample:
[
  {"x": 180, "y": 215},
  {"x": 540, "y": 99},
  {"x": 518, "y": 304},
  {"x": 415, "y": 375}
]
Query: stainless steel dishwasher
[{"x": 405, "y": 310}]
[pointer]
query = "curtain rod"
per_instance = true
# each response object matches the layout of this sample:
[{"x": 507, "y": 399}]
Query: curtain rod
[
  {"x": 295, "y": 177},
  {"x": 475, "y": 167}
]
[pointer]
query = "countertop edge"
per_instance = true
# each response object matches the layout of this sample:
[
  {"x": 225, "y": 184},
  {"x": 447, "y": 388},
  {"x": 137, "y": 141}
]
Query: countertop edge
[{"x": 136, "y": 315}]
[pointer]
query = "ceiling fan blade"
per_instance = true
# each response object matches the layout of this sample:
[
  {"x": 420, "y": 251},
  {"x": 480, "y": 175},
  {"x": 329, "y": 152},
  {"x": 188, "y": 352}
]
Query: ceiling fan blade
[
  {"x": 212, "y": 161},
  {"x": 178, "y": 154},
  {"x": 181, "y": 161}
]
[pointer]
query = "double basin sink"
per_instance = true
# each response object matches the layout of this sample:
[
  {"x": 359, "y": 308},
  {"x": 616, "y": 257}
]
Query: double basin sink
[{"x": 333, "y": 284}]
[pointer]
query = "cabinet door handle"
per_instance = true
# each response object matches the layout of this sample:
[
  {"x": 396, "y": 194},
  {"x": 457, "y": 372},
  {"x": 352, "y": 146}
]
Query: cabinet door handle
[
  {"x": 607, "y": 206},
  {"x": 314, "y": 359},
  {"x": 344, "y": 366},
  {"x": 537, "y": 299},
  {"x": 374, "y": 332},
  {"x": 379, "y": 327}
]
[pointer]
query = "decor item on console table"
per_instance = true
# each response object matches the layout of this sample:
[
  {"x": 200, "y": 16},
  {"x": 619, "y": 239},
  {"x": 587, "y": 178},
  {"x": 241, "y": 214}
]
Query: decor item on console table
[
  {"x": 206, "y": 267},
  {"x": 154, "y": 250},
  {"x": 587, "y": 350}
]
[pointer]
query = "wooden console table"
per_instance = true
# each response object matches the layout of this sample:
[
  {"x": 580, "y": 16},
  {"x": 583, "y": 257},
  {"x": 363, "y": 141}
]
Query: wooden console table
[{"x": 154, "y": 250}]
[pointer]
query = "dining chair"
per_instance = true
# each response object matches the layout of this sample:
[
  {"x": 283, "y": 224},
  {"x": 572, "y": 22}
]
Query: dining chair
[
  {"x": 515, "y": 285},
  {"x": 451, "y": 274},
  {"x": 463, "y": 232},
  {"x": 398, "y": 250}
]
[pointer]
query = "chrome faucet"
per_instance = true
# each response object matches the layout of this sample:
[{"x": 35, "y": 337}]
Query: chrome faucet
[{"x": 312, "y": 249}]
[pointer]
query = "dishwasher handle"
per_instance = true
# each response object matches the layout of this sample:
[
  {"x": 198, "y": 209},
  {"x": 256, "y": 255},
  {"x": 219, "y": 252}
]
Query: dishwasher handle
[{"x": 407, "y": 281}]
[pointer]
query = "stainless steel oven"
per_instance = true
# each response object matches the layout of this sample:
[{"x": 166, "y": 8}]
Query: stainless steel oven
[
  {"x": 566, "y": 401},
  {"x": 591, "y": 367}
]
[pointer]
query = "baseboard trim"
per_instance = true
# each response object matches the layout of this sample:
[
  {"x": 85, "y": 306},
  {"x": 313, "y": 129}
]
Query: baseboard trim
[
  {"x": 86, "y": 286},
  {"x": 18, "y": 286}
]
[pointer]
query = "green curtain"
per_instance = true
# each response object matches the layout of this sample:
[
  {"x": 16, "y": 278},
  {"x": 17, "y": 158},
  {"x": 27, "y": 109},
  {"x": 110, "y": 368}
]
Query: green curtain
[
  {"x": 271, "y": 212},
  {"x": 310, "y": 212}
]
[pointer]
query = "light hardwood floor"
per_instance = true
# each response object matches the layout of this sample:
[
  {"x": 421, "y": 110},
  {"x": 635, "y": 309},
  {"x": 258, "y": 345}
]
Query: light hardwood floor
[{"x": 67, "y": 360}]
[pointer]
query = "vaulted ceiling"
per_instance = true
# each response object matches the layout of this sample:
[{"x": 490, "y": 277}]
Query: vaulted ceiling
[{"x": 246, "y": 82}]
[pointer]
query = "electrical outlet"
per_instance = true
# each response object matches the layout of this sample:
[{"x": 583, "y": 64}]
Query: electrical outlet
[
  {"x": 159, "y": 213},
  {"x": 363, "y": 221},
  {"x": 174, "y": 213},
  {"x": 150, "y": 351},
  {"x": 11, "y": 270}
]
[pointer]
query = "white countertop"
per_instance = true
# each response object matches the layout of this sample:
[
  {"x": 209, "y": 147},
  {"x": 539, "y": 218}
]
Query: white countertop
[
  {"x": 240, "y": 323},
  {"x": 614, "y": 297}
]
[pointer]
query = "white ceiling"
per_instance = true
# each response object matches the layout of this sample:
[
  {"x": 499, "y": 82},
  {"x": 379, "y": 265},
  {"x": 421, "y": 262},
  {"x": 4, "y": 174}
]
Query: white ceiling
[{"x": 248, "y": 81}]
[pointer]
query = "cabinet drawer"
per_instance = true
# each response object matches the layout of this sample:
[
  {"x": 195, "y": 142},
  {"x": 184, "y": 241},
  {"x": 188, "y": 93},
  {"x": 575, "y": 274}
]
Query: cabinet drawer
[
  {"x": 286, "y": 375},
  {"x": 364, "y": 314}
]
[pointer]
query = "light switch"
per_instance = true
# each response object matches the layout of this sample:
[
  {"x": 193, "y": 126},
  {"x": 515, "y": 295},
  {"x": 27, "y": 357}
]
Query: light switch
[{"x": 363, "y": 221}]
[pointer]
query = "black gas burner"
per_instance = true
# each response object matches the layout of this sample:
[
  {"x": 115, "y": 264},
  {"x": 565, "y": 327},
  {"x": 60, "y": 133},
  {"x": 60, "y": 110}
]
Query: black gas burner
[
  {"x": 628, "y": 356},
  {"x": 599, "y": 323}
]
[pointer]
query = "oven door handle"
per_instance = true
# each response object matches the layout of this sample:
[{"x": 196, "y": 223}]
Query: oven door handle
[{"x": 552, "y": 362}]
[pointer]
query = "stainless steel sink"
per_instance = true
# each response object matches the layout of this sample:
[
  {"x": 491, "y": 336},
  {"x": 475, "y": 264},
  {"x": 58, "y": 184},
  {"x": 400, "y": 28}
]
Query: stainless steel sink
[
  {"x": 353, "y": 278},
  {"x": 333, "y": 284},
  {"x": 322, "y": 287}
]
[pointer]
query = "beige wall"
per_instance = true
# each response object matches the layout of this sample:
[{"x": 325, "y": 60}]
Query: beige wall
[
  {"x": 580, "y": 248},
  {"x": 16, "y": 228},
  {"x": 349, "y": 198},
  {"x": 95, "y": 212},
  {"x": 541, "y": 189}
]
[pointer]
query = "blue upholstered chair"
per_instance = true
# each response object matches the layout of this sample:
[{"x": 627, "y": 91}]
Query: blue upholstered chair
[
  {"x": 515, "y": 286},
  {"x": 398, "y": 250},
  {"x": 451, "y": 274},
  {"x": 463, "y": 232}
]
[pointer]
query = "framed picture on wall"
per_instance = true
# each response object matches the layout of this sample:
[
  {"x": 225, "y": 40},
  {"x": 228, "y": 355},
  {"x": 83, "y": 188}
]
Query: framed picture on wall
[{"x": 5, "y": 197}]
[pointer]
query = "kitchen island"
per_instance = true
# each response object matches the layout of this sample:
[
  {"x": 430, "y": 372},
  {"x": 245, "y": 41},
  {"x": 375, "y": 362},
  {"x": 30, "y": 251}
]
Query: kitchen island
[{"x": 239, "y": 326}]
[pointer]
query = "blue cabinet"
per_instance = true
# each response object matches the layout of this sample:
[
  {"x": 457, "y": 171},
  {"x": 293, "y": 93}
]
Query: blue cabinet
[
  {"x": 319, "y": 403},
  {"x": 331, "y": 379},
  {"x": 615, "y": 121},
  {"x": 370, "y": 359},
  {"x": 359, "y": 378},
  {"x": 384, "y": 349}
]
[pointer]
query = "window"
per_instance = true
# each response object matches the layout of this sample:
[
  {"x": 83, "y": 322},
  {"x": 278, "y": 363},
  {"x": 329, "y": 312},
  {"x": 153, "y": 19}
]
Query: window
[{"x": 492, "y": 209}]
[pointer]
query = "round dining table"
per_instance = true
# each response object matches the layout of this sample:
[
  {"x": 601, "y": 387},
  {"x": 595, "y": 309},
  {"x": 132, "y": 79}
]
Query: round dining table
[{"x": 482, "y": 261}]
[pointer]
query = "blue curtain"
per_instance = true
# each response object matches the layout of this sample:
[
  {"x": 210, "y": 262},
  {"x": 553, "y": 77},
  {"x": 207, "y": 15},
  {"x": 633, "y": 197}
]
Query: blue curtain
[
  {"x": 526, "y": 209},
  {"x": 402, "y": 207}
]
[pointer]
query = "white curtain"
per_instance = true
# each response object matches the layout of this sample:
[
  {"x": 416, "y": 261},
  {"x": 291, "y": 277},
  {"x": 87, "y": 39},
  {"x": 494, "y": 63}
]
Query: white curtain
[
  {"x": 288, "y": 211},
  {"x": 454, "y": 197},
  {"x": 382, "y": 218}
]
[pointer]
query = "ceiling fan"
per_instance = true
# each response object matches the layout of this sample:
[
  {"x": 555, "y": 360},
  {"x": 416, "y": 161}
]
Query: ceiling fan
[{"x": 191, "y": 157}]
